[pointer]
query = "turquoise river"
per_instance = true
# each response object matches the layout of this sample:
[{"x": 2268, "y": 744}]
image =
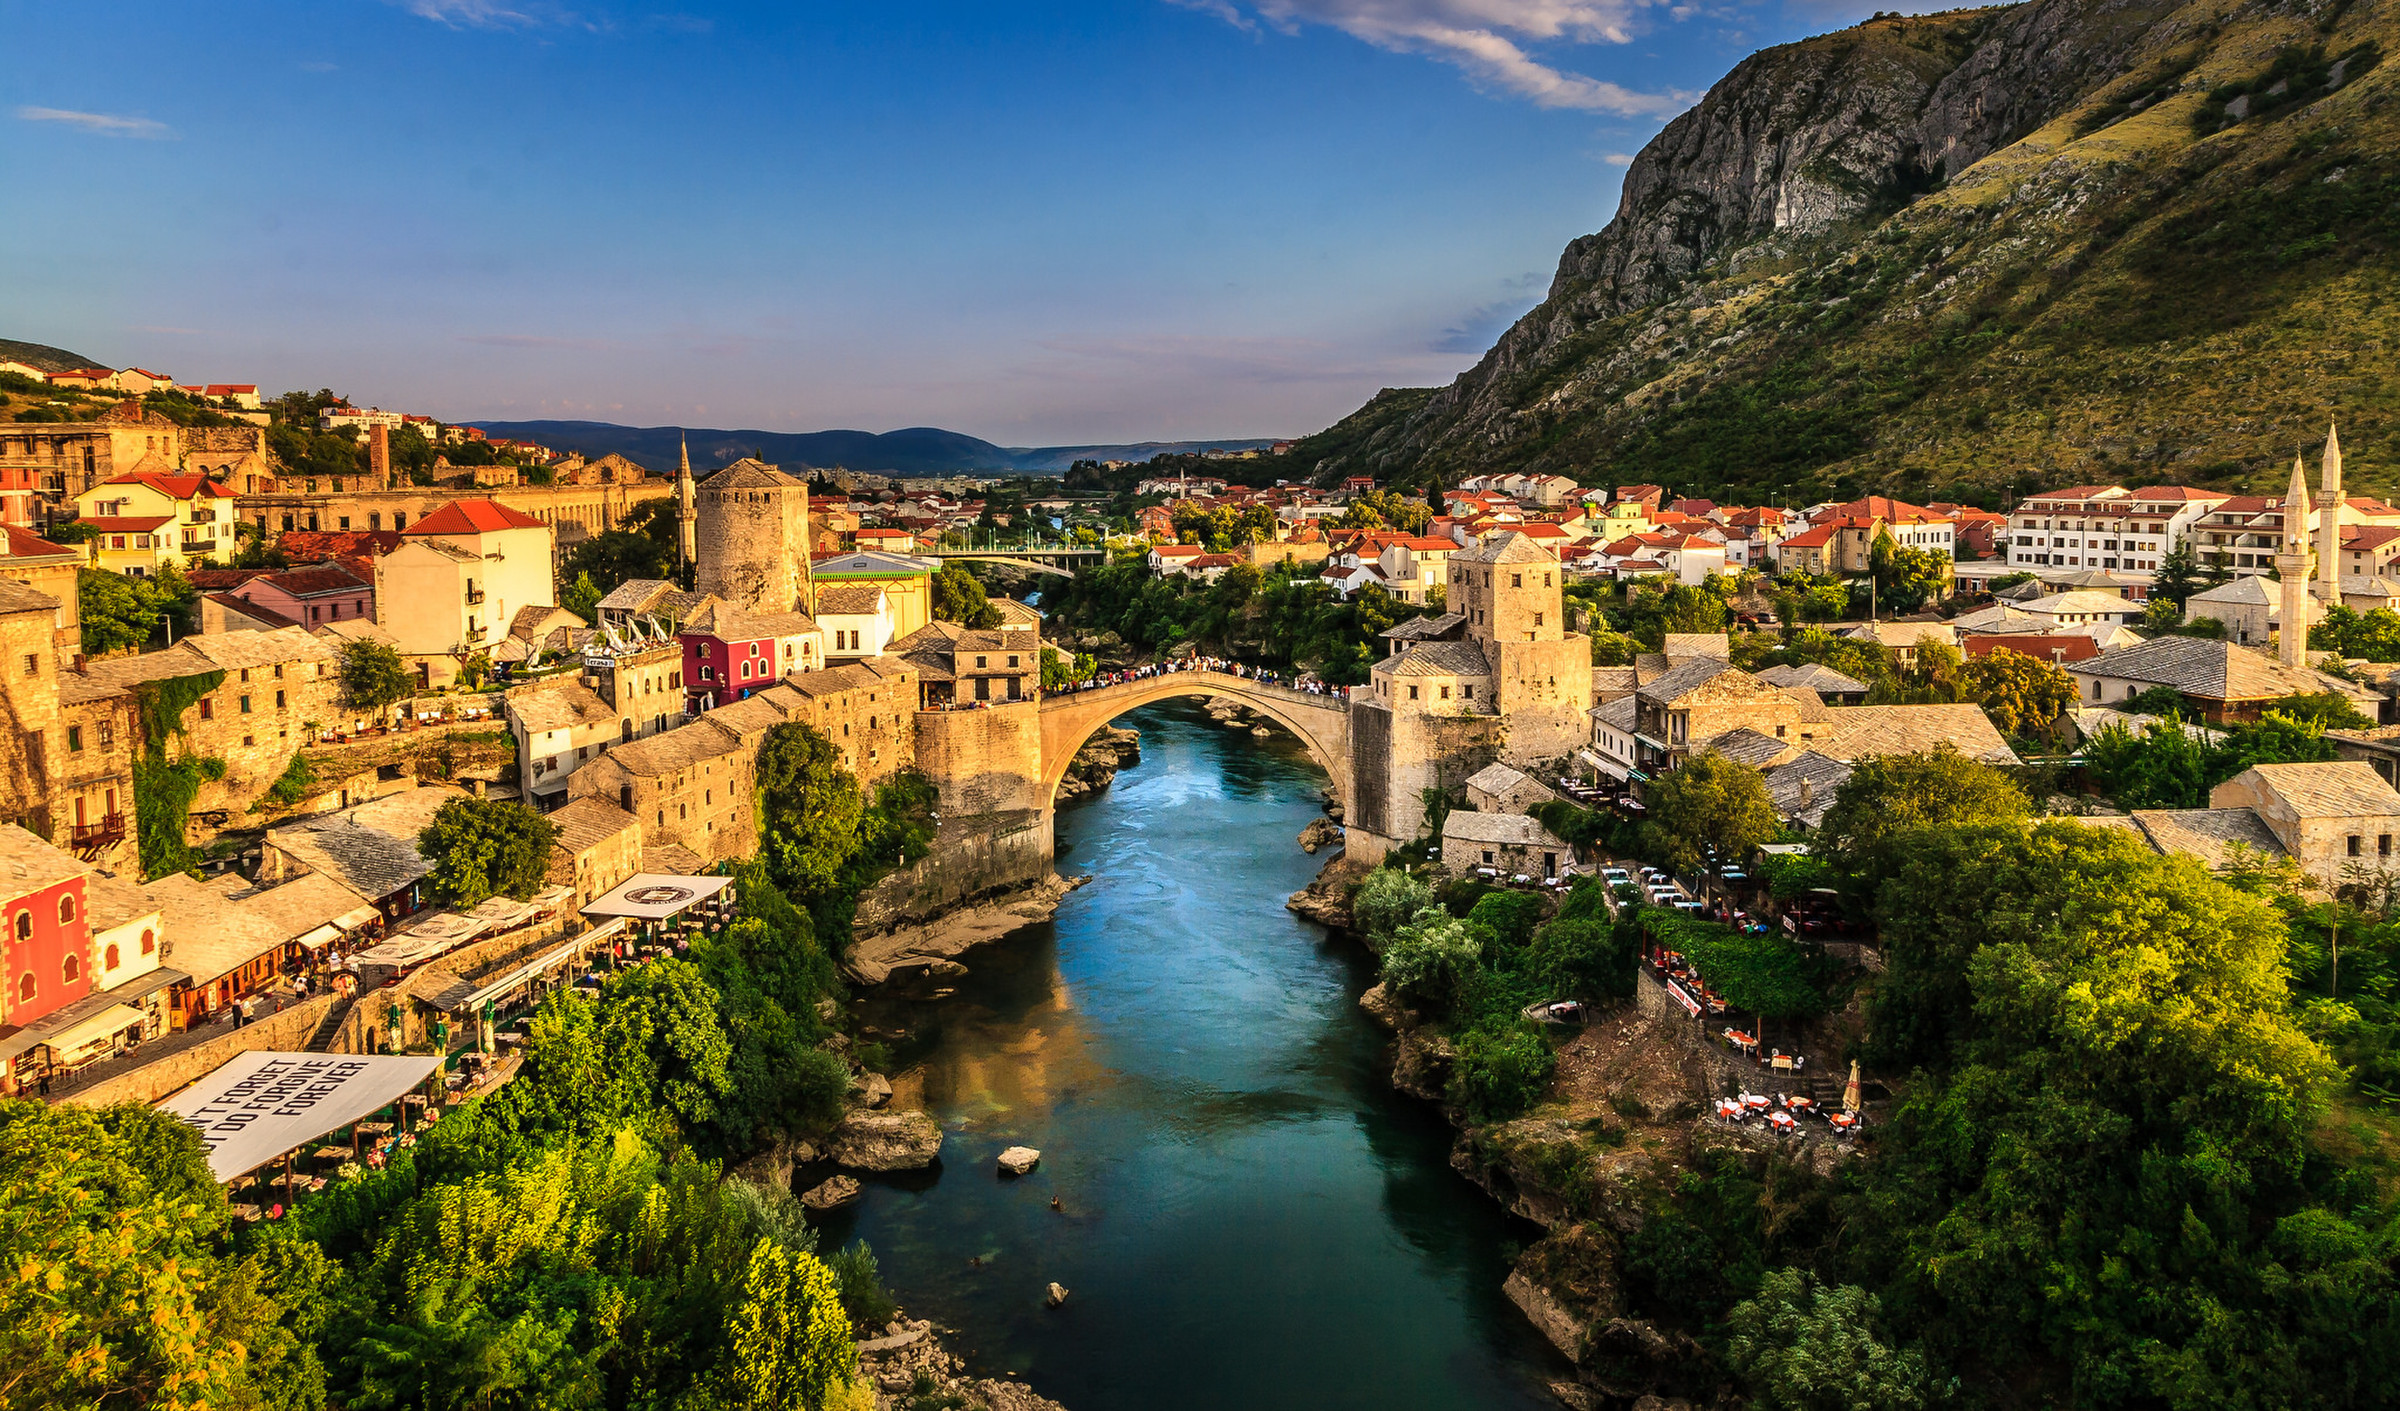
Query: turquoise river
[{"x": 1248, "y": 1216}]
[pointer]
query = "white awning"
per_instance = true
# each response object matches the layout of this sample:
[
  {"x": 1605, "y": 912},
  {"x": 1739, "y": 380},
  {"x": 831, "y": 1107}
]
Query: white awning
[
  {"x": 655, "y": 896},
  {"x": 432, "y": 936},
  {"x": 100, "y": 1026},
  {"x": 359, "y": 916},
  {"x": 260, "y": 1105},
  {"x": 1602, "y": 763},
  {"x": 321, "y": 937},
  {"x": 570, "y": 950}
]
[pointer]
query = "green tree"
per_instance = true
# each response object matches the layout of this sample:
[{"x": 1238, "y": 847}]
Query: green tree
[
  {"x": 1890, "y": 795},
  {"x": 116, "y": 617},
  {"x": 1798, "y": 1349},
  {"x": 582, "y": 597},
  {"x": 374, "y": 676},
  {"x": 1060, "y": 671},
  {"x": 1387, "y": 509},
  {"x": 959, "y": 598},
  {"x": 1433, "y": 960},
  {"x": 2179, "y": 576},
  {"x": 1906, "y": 578},
  {"x": 618, "y": 556},
  {"x": 1387, "y": 900},
  {"x": 2023, "y": 695},
  {"x": 810, "y": 809},
  {"x": 2162, "y": 767},
  {"x": 481, "y": 848},
  {"x": 1711, "y": 801}
]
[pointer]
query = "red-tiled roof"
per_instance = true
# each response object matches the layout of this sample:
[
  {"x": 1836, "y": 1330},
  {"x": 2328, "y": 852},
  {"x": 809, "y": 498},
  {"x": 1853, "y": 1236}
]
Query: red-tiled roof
[
  {"x": 472, "y": 517},
  {"x": 180, "y": 487},
  {"x": 255, "y": 611},
  {"x": 2071, "y": 646},
  {"x": 318, "y": 578},
  {"x": 1816, "y": 538},
  {"x": 25, "y": 544},
  {"x": 318, "y": 545},
  {"x": 125, "y": 524},
  {"x": 211, "y": 580}
]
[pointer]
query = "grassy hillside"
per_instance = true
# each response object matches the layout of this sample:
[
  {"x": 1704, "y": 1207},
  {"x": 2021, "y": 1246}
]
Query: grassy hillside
[
  {"x": 2180, "y": 278},
  {"x": 43, "y": 356}
]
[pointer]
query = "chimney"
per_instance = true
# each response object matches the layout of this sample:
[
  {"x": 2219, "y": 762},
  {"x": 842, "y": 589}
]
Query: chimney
[
  {"x": 379, "y": 455},
  {"x": 1808, "y": 791}
]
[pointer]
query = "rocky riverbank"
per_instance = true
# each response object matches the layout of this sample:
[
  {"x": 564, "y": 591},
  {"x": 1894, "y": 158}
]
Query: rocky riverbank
[
  {"x": 909, "y": 1368},
  {"x": 1095, "y": 766},
  {"x": 1589, "y": 1164},
  {"x": 934, "y": 947}
]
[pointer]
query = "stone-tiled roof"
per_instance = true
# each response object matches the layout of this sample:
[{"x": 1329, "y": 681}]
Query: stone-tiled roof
[
  {"x": 560, "y": 708},
  {"x": 370, "y": 848},
  {"x": 2199, "y": 666},
  {"x": 1614, "y": 680},
  {"x": 850, "y": 601},
  {"x": 1438, "y": 659},
  {"x": 1747, "y": 746},
  {"x": 749, "y": 473},
  {"x": 1814, "y": 676},
  {"x": 213, "y": 928},
  {"x": 1496, "y": 778},
  {"x": 16, "y": 597},
  {"x": 1513, "y": 829},
  {"x": 676, "y": 750},
  {"x": 1016, "y": 614},
  {"x": 1618, "y": 714},
  {"x": 2250, "y": 590},
  {"x": 2336, "y": 789},
  {"x": 30, "y": 864},
  {"x": 635, "y": 594},
  {"x": 1507, "y": 546},
  {"x": 1803, "y": 789},
  {"x": 1999, "y": 617},
  {"x": 1426, "y": 627},
  {"x": 1686, "y": 677},
  {"x": 1863, "y": 732},
  {"x": 585, "y": 823},
  {"x": 2209, "y": 834},
  {"x": 1678, "y": 645}
]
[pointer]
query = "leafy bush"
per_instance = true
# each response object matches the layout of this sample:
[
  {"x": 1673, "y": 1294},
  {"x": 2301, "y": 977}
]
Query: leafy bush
[
  {"x": 1582, "y": 958},
  {"x": 1498, "y": 1073},
  {"x": 1510, "y": 916},
  {"x": 481, "y": 848},
  {"x": 1803, "y": 1350},
  {"x": 1430, "y": 961},
  {"x": 863, "y": 1296},
  {"x": 1387, "y": 900}
]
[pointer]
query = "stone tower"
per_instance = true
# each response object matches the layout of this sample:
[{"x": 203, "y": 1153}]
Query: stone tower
[
  {"x": 751, "y": 529},
  {"x": 2329, "y": 521},
  {"x": 1510, "y": 591},
  {"x": 686, "y": 525},
  {"x": 2291, "y": 565}
]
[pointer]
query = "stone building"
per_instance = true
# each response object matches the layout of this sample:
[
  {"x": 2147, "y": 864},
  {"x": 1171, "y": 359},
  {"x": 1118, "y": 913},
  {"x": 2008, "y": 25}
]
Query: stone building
[
  {"x": 48, "y": 569},
  {"x": 598, "y": 847},
  {"x": 559, "y": 728},
  {"x": 449, "y": 592},
  {"x": 1497, "y": 788},
  {"x": 2340, "y": 820},
  {"x": 868, "y": 709},
  {"x": 732, "y": 652},
  {"x": 752, "y": 538},
  {"x": 1507, "y": 844},
  {"x": 573, "y": 513},
  {"x": 44, "y": 465},
  {"x": 279, "y": 689},
  {"x": 692, "y": 787}
]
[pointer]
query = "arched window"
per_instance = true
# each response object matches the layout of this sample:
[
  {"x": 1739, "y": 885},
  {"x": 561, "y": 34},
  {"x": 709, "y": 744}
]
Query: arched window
[
  {"x": 66, "y": 909},
  {"x": 149, "y": 942},
  {"x": 111, "y": 961},
  {"x": 24, "y": 925},
  {"x": 70, "y": 969},
  {"x": 25, "y": 988}
]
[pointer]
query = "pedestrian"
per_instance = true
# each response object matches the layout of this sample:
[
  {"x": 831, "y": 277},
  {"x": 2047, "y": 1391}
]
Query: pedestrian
[{"x": 42, "y": 1084}]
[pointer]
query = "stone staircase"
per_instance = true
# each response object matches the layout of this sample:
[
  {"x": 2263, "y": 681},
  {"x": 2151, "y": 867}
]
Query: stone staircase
[{"x": 330, "y": 1027}]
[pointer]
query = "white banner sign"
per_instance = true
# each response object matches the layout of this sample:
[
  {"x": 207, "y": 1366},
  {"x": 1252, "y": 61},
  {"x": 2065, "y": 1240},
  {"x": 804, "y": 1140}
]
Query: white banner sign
[
  {"x": 1683, "y": 999},
  {"x": 260, "y": 1105}
]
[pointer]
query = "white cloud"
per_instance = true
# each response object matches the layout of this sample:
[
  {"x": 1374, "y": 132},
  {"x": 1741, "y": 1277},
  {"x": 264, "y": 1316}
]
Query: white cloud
[
  {"x": 1485, "y": 38},
  {"x": 99, "y": 124},
  {"x": 482, "y": 14},
  {"x": 1619, "y": 159}
]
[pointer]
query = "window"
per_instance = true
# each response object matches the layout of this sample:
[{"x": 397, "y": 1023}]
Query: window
[
  {"x": 982, "y": 662},
  {"x": 108, "y": 735},
  {"x": 111, "y": 960},
  {"x": 66, "y": 909},
  {"x": 1012, "y": 661},
  {"x": 2355, "y": 841},
  {"x": 25, "y": 989},
  {"x": 249, "y": 739},
  {"x": 1466, "y": 693},
  {"x": 245, "y": 705},
  {"x": 70, "y": 969},
  {"x": 279, "y": 697},
  {"x": 75, "y": 739},
  {"x": 1412, "y": 693},
  {"x": 245, "y": 673},
  {"x": 208, "y": 708},
  {"x": 279, "y": 673},
  {"x": 1516, "y": 580},
  {"x": 2383, "y": 845},
  {"x": 33, "y": 664},
  {"x": 149, "y": 942},
  {"x": 24, "y": 925},
  {"x": 1445, "y": 693},
  {"x": 1537, "y": 619}
]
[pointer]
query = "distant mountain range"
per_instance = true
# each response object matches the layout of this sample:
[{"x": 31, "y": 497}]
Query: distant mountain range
[
  {"x": 43, "y": 356},
  {"x": 915, "y": 450}
]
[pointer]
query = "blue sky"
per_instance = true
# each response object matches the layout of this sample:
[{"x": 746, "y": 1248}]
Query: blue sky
[{"x": 1040, "y": 223}]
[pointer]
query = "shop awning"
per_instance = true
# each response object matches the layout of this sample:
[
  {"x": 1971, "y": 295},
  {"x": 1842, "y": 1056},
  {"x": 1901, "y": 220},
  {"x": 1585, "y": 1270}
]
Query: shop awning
[
  {"x": 358, "y": 916},
  {"x": 655, "y": 896},
  {"x": 567, "y": 952},
  {"x": 320, "y": 938},
  {"x": 51, "y": 1027},
  {"x": 100, "y": 1026},
  {"x": 426, "y": 939},
  {"x": 1600, "y": 762},
  {"x": 260, "y": 1105}
]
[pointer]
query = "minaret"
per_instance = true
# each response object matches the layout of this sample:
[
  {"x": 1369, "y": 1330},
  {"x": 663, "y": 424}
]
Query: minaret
[
  {"x": 2329, "y": 522},
  {"x": 2291, "y": 563},
  {"x": 687, "y": 518}
]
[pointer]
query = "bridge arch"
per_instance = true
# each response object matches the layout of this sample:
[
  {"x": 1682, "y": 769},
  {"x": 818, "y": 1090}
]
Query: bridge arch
[
  {"x": 1036, "y": 564},
  {"x": 1321, "y": 722}
]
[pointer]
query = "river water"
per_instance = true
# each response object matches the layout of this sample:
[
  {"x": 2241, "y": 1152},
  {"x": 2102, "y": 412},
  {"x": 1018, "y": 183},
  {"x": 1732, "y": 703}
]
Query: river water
[{"x": 1249, "y": 1217}]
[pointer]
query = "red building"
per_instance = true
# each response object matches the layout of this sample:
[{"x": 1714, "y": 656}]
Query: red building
[
  {"x": 43, "y": 906},
  {"x": 729, "y": 654}
]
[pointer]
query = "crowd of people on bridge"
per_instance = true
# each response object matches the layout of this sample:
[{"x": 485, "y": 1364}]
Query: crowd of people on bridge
[{"x": 1302, "y": 682}]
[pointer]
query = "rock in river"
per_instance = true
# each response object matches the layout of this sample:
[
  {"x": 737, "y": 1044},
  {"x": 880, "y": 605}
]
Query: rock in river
[
  {"x": 885, "y": 1141},
  {"x": 1058, "y": 1294},
  {"x": 1018, "y": 1160},
  {"x": 1317, "y": 834},
  {"x": 831, "y": 1192},
  {"x": 874, "y": 1089}
]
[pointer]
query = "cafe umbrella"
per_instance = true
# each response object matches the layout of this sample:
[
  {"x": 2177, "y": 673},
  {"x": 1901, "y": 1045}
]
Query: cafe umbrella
[{"x": 1850, "y": 1090}]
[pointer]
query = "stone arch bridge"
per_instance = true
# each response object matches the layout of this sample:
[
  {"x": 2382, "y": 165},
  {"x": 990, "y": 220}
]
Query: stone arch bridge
[{"x": 1321, "y": 722}]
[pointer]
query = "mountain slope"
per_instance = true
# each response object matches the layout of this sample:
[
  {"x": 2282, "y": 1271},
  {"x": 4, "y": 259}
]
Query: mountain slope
[
  {"x": 1948, "y": 255},
  {"x": 43, "y": 356},
  {"x": 916, "y": 450}
]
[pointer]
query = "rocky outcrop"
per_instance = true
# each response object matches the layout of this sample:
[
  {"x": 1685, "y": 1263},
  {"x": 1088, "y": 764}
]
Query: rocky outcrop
[
  {"x": 1319, "y": 833},
  {"x": 1326, "y": 900},
  {"x": 1095, "y": 766},
  {"x": 884, "y": 1141},
  {"x": 774, "y": 1166},
  {"x": 933, "y": 948},
  {"x": 908, "y": 1367},
  {"x": 831, "y": 1193}
]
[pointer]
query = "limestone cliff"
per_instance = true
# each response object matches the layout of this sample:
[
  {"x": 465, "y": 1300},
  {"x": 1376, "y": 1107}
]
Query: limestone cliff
[{"x": 2062, "y": 240}]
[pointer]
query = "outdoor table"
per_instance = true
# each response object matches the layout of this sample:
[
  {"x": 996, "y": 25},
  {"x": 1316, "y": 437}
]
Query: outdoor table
[
  {"x": 1756, "y": 1102},
  {"x": 1781, "y": 1121},
  {"x": 331, "y": 1153},
  {"x": 374, "y": 1129},
  {"x": 247, "y": 1212},
  {"x": 1731, "y": 1110},
  {"x": 1843, "y": 1121},
  {"x": 1797, "y": 1103}
]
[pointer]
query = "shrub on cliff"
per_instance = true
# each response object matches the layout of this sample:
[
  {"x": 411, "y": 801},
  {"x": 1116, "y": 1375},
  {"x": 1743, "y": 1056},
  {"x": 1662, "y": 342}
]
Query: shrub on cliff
[
  {"x": 1499, "y": 1072},
  {"x": 1432, "y": 961},
  {"x": 1386, "y": 901},
  {"x": 1803, "y": 1349},
  {"x": 1510, "y": 915}
]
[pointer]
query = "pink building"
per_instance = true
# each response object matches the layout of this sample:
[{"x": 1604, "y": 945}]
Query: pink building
[
  {"x": 313, "y": 596},
  {"x": 728, "y": 654},
  {"x": 48, "y": 938}
]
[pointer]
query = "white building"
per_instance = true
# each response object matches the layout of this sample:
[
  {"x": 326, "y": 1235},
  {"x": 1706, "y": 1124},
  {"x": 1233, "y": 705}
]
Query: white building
[{"x": 2106, "y": 526}]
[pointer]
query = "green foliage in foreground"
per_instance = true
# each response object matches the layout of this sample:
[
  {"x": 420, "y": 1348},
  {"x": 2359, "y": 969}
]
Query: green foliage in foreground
[{"x": 2163, "y": 766}]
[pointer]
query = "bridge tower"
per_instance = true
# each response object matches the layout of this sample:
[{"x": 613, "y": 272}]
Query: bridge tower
[{"x": 751, "y": 525}]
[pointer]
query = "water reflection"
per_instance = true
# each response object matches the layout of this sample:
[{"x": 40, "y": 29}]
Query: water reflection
[{"x": 1248, "y": 1216}]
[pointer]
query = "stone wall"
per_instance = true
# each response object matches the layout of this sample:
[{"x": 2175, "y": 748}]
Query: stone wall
[
  {"x": 1421, "y": 752},
  {"x": 284, "y": 1032},
  {"x": 753, "y": 543},
  {"x": 573, "y": 512},
  {"x": 1544, "y": 689},
  {"x": 983, "y": 761},
  {"x": 972, "y": 857}
]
